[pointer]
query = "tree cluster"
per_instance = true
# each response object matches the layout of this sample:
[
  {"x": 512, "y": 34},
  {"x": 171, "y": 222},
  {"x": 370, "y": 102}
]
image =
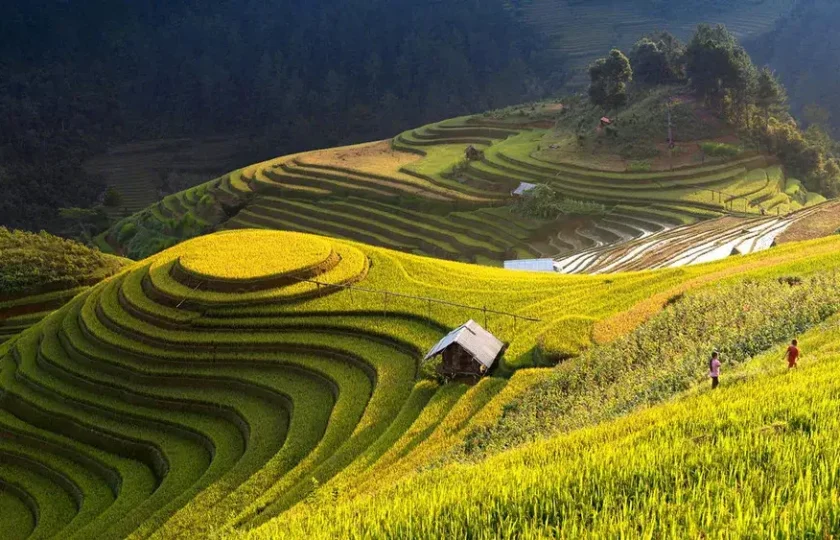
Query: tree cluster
[
  {"x": 658, "y": 58},
  {"x": 31, "y": 263},
  {"x": 610, "y": 77},
  {"x": 543, "y": 202},
  {"x": 722, "y": 75}
]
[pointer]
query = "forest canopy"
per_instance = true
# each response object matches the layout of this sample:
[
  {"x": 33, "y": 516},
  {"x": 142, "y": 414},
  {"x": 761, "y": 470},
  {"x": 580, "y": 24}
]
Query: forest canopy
[{"x": 75, "y": 76}]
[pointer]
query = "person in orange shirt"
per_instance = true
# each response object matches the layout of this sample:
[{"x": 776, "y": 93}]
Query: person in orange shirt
[{"x": 792, "y": 354}]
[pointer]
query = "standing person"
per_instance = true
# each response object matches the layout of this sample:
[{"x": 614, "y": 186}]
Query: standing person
[
  {"x": 714, "y": 369},
  {"x": 792, "y": 354}
]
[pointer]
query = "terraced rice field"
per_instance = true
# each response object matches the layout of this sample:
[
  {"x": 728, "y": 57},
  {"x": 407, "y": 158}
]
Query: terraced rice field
[
  {"x": 691, "y": 244},
  {"x": 136, "y": 169},
  {"x": 224, "y": 381},
  {"x": 19, "y": 314},
  {"x": 418, "y": 194},
  {"x": 579, "y": 32},
  {"x": 760, "y": 447},
  {"x": 39, "y": 273}
]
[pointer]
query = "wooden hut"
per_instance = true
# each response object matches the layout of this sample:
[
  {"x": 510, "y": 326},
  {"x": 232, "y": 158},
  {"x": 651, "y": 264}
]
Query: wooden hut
[{"x": 468, "y": 351}]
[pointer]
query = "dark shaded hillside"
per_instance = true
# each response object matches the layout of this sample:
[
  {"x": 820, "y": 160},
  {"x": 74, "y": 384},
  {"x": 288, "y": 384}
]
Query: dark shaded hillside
[
  {"x": 805, "y": 51},
  {"x": 75, "y": 76}
]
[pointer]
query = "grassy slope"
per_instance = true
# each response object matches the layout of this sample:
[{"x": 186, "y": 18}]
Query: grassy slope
[
  {"x": 418, "y": 194},
  {"x": 756, "y": 457},
  {"x": 41, "y": 272},
  {"x": 362, "y": 452}
]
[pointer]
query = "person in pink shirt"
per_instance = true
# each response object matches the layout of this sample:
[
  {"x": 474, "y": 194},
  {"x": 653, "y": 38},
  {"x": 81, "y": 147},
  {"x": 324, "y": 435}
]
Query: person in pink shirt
[{"x": 714, "y": 369}]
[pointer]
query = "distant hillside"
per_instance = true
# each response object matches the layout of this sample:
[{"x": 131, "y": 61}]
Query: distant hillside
[
  {"x": 79, "y": 77},
  {"x": 804, "y": 49},
  {"x": 40, "y": 272},
  {"x": 418, "y": 193},
  {"x": 577, "y": 32},
  {"x": 144, "y": 172}
]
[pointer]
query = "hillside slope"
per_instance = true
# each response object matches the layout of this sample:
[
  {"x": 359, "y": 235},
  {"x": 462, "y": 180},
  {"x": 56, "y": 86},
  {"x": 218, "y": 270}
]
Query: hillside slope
[
  {"x": 756, "y": 458},
  {"x": 578, "y": 32},
  {"x": 40, "y": 273},
  {"x": 419, "y": 194},
  {"x": 219, "y": 383}
]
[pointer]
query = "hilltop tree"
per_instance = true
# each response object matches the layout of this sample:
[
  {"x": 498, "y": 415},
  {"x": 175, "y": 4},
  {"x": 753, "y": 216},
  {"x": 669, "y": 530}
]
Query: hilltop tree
[
  {"x": 718, "y": 67},
  {"x": 112, "y": 198},
  {"x": 769, "y": 93},
  {"x": 84, "y": 222},
  {"x": 658, "y": 59},
  {"x": 609, "y": 78}
]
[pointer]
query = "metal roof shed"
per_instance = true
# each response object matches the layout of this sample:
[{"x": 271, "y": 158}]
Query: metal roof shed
[
  {"x": 531, "y": 265},
  {"x": 469, "y": 350},
  {"x": 523, "y": 188}
]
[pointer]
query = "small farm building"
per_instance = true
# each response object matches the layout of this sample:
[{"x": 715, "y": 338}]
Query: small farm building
[
  {"x": 605, "y": 121},
  {"x": 531, "y": 265},
  {"x": 473, "y": 154},
  {"x": 523, "y": 188},
  {"x": 469, "y": 350}
]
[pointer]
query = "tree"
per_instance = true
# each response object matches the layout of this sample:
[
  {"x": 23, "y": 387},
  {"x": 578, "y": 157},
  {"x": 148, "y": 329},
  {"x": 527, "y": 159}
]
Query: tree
[
  {"x": 658, "y": 59},
  {"x": 769, "y": 93},
  {"x": 718, "y": 66},
  {"x": 112, "y": 198},
  {"x": 609, "y": 78},
  {"x": 85, "y": 222}
]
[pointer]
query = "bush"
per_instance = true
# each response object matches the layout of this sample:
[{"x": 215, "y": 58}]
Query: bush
[
  {"x": 723, "y": 150},
  {"x": 112, "y": 199},
  {"x": 126, "y": 232},
  {"x": 639, "y": 166},
  {"x": 31, "y": 263},
  {"x": 543, "y": 202}
]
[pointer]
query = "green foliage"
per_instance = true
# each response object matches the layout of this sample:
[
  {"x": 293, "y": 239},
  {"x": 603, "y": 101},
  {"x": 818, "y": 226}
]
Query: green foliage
[
  {"x": 639, "y": 166},
  {"x": 769, "y": 92},
  {"x": 785, "y": 140},
  {"x": 30, "y": 263},
  {"x": 113, "y": 198},
  {"x": 716, "y": 64},
  {"x": 543, "y": 202},
  {"x": 609, "y": 77},
  {"x": 721, "y": 150},
  {"x": 658, "y": 59},
  {"x": 84, "y": 223},
  {"x": 126, "y": 232}
]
